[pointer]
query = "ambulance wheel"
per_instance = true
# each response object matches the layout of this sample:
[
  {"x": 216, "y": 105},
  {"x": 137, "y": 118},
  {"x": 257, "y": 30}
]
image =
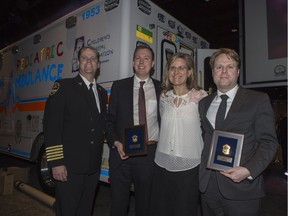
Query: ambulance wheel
[{"x": 44, "y": 173}]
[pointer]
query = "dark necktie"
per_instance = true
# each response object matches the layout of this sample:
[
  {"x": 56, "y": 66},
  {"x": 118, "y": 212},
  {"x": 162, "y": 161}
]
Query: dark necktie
[
  {"x": 220, "y": 116},
  {"x": 92, "y": 95},
  {"x": 141, "y": 105}
]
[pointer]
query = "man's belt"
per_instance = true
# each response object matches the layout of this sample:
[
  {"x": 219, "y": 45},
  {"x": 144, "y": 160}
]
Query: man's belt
[{"x": 152, "y": 142}]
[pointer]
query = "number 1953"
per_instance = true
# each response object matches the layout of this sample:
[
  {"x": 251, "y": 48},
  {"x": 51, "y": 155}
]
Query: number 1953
[{"x": 91, "y": 12}]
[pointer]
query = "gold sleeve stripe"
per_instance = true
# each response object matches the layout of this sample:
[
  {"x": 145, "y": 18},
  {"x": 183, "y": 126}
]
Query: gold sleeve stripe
[
  {"x": 53, "y": 147},
  {"x": 53, "y": 153},
  {"x": 55, "y": 158}
]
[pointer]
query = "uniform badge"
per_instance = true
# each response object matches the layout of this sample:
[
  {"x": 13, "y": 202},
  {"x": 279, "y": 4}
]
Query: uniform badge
[{"x": 55, "y": 88}]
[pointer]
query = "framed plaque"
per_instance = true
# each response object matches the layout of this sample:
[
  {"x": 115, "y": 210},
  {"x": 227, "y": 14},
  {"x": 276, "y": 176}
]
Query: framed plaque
[
  {"x": 135, "y": 141},
  {"x": 225, "y": 151}
]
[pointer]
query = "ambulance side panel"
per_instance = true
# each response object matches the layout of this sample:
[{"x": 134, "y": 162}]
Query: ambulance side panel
[{"x": 29, "y": 67}]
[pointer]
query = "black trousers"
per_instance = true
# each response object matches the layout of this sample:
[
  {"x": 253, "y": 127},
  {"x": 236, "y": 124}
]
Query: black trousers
[
  {"x": 76, "y": 196},
  {"x": 175, "y": 193},
  {"x": 139, "y": 170}
]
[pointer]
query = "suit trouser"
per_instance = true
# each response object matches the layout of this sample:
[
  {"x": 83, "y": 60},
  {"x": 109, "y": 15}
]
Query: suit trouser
[
  {"x": 215, "y": 204},
  {"x": 139, "y": 170},
  {"x": 76, "y": 196}
]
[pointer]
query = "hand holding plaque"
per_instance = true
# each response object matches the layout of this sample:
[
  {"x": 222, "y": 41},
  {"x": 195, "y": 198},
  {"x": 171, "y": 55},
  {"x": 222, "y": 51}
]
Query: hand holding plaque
[
  {"x": 135, "y": 141},
  {"x": 225, "y": 151}
]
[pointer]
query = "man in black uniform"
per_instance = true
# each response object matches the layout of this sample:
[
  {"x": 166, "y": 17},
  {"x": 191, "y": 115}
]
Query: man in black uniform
[{"x": 74, "y": 123}]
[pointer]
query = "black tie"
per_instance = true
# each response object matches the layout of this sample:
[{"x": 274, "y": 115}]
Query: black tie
[
  {"x": 92, "y": 95},
  {"x": 141, "y": 105},
  {"x": 220, "y": 116}
]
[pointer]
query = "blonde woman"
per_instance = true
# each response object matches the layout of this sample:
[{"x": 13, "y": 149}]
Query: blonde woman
[{"x": 175, "y": 187}]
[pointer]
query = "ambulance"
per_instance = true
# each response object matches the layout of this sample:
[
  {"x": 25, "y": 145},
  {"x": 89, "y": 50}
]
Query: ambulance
[{"x": 29, "y": 67}]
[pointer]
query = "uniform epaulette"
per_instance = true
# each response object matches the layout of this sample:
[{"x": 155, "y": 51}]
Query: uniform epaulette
[{"x": 55, "y": 88}]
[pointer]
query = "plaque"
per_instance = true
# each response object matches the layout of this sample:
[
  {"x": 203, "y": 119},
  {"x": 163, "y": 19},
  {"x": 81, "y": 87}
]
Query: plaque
[
  {"x": 135, "y": 141},
  {"x": 225, "y": 151}
]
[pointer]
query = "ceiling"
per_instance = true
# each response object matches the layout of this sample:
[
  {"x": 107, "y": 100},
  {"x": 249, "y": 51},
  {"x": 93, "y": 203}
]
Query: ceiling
[{"x": 215, "y": 20}]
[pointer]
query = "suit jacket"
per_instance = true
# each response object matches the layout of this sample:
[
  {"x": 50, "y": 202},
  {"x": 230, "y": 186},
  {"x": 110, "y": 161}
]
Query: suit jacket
[
  {"x": 73, "y": 121},
  {"x": 250, "y": 114},
  {"x": 120, "y": 114}
]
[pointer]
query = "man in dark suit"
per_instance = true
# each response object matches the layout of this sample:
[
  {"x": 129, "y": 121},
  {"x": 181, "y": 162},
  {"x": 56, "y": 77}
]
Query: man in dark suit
[
  {"x": 74, "y": 124},
  {"x": 236, "y": 191},
  {"x": 123, "y": 113}
]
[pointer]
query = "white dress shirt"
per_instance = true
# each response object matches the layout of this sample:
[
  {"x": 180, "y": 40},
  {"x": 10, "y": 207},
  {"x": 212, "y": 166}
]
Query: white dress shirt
[
  {"x": 94, "y": 90},
  {"x": 151, "y": 107},
  {"x": 212, "y": 111}
]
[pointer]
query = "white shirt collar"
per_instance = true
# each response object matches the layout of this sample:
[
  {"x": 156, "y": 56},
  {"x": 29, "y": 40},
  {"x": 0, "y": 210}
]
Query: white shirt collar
[
  {"x": 231, "y": 93},
  {"x": 137, "y": 81},
  {"x": 86, "y": 81}
]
